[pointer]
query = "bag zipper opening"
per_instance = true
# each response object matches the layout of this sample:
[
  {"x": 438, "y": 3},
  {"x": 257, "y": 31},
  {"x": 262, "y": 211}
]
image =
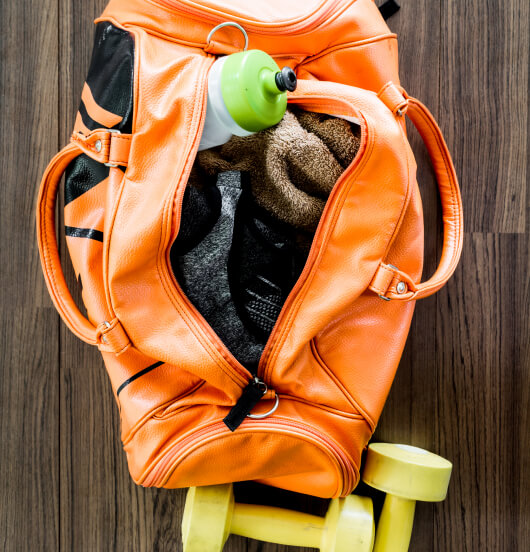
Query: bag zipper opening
[{"x": 250, "y": 380}]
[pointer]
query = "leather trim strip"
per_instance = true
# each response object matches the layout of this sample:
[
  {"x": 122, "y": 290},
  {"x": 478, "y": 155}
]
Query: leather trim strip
[
  {"x": 96, "y": 112},
  {"x": 138, "y": 375},
  {"x": 90, "y": 233}
]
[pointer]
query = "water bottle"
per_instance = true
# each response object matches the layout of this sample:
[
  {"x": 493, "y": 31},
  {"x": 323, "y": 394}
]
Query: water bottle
[{"x": 246, "y": 94}]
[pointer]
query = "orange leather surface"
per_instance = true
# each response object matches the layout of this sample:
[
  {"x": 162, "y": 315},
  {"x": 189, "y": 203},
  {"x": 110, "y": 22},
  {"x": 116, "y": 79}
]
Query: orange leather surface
[
  {"x": 96, "y": 112},
  {"x": 333, "y": 354}
]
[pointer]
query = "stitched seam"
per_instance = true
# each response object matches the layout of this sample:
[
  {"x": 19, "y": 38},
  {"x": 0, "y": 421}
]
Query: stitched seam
[
  {"x": 121, "y": 191},
  {"x": 303, "y": 292},
  {"x": 191, "y": 323},
  {"x": 336, "y": 380},
  {"x": 170, "y": 412},
  {"x": 408, "y": 193},
  {"x": 106, "y": 248},
  {"x": 173, "y": 466},
  {"x": 365, "y": 155},
  {"x": 152, "y": 413},
  {"x": 131, "y": 25},
  {"x": 330, "y": 409},
  {"x": 348, "y": 45},
  {"x": 260, "y": 27}
]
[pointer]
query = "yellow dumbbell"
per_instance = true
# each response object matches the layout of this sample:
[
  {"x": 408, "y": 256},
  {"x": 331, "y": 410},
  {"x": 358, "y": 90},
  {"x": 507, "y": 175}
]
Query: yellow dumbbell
[
  {"x": 406, "y": 474},
  {"x": 211, "y": 515}
]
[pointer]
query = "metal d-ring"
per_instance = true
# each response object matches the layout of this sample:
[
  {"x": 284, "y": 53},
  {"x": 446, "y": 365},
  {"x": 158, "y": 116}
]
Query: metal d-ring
[
  {"x": 228, "y": 24},
  {"x": 107, "y": 325},
  {"x": 265, "y": 414}
]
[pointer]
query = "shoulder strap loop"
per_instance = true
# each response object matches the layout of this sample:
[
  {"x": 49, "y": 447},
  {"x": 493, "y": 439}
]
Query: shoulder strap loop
[
  {"x": 107, "y": 146},
  {"x": 389, "y": 282}
]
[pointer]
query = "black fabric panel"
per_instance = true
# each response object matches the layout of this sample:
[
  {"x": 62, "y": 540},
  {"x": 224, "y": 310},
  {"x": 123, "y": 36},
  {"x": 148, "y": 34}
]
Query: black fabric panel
[
  {"x": 111, "y": 73},
  {"x": 388, "y": 9},
  {"x": 87, "y": 119},
  {"x": 90, "y": 233},
  {"x": 82, "y": 174},
  {"x": 110, "y": 79}
]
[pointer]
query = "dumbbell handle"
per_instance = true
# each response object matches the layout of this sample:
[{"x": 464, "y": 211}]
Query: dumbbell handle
[
  {"x": 277, "y": 525},
  {"x": 395, "y": 525}
]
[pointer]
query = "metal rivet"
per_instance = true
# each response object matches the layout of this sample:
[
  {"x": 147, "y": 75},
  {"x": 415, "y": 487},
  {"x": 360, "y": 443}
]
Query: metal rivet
[
  {"x": 401, "y": 287},
  {"x": 98, "y": 145}
]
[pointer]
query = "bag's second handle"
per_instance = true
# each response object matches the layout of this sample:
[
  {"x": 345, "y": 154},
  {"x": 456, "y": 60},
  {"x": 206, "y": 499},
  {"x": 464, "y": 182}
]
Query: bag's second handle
[
  {"x": 391, "y": 283},
  {"x": 49, "y": 253}
]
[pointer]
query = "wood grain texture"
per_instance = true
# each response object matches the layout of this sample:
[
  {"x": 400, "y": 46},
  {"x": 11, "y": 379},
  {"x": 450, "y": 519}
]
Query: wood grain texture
[
  {"x": 29, "y": 335},
  {"x": 463, "y": 386},
  {"x": 409, "y": 415},
  {"x": 484, "y": 113},
  {"x": 482, "y": 368}
]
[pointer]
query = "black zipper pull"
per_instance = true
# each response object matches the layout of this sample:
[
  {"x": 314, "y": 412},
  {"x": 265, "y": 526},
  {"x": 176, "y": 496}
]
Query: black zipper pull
[{"x": 250, "y": 396}]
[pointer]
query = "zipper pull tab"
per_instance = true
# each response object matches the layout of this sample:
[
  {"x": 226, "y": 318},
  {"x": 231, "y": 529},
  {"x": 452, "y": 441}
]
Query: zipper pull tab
[{"x": 250, "y": 396}]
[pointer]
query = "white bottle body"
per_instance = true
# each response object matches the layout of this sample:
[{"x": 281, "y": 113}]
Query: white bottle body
[{"x": 218, "y": 124}]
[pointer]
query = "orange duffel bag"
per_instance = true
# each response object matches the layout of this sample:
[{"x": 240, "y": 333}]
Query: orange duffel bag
[{"x": 269, "y": 356}]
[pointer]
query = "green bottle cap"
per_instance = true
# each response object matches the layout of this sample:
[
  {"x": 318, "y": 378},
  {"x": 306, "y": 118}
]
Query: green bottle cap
[{"x": 253, "y": 89}]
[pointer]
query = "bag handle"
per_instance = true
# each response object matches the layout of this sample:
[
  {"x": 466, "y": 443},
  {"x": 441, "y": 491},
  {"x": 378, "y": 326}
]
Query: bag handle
[
  {"x": 106, "y": 146},
  {"x": 49, "y": 253},
  {"x": 389, "y": 282}
]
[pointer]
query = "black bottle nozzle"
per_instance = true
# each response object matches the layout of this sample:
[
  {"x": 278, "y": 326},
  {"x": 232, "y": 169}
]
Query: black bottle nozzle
[{"x": 286, "y": 79}]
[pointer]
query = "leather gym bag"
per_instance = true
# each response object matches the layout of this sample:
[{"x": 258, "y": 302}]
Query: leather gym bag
[{"x": 327, "y": 365}]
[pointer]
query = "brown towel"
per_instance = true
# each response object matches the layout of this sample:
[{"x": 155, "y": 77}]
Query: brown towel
[{"x": 293, "y": 166}]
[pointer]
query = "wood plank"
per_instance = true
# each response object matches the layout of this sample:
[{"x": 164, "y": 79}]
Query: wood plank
[
  {"x": 101, "y": 507},
  {"x": 484, "y": 112},
  {"x": 521, "y": 344},
  {"x": 29, "y": 469},
  {"x": 410, "y": 412},
  {"x": 481, "y": 390}
]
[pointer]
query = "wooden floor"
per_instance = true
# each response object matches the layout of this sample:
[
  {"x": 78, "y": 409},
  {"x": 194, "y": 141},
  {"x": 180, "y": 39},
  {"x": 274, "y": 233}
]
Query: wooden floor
[{"x": 462, "y": 389}]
